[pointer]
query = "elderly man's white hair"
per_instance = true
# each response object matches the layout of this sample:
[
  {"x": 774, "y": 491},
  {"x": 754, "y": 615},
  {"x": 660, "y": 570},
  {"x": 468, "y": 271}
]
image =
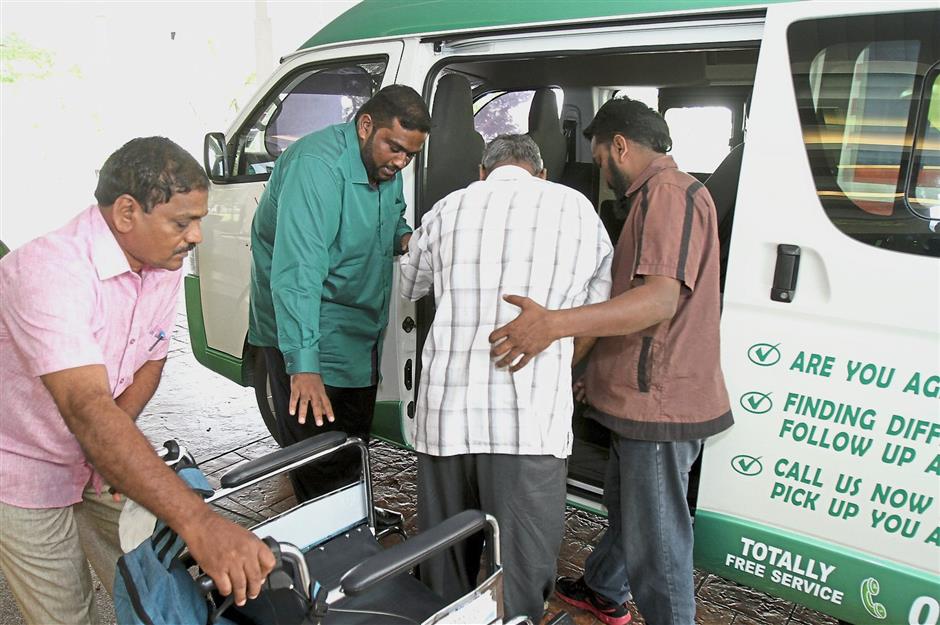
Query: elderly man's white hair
[{"x": 520, "y": 149}]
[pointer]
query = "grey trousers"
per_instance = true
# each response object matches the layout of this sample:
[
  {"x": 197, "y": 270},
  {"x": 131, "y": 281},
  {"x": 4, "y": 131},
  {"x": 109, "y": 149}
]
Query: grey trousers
[
  {"x": 526, "y": 494},
  {"x": 44, "y": 554}
]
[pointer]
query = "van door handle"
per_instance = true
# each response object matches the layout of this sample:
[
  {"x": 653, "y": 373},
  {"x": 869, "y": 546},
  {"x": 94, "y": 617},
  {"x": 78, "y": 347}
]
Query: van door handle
[{"x": 785, "y": 273}]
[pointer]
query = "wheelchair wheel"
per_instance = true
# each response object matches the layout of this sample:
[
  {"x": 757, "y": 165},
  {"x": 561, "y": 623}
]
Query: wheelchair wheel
[{"x": 263, "y": 396}]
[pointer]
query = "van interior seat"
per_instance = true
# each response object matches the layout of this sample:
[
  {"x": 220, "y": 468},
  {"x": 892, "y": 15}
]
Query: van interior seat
[
  {"x": 723, "y": 187},
  {"x": 557, "y": 146},
  {"x": 455, "y": 148},
  {"x": 545, "y": 130}
]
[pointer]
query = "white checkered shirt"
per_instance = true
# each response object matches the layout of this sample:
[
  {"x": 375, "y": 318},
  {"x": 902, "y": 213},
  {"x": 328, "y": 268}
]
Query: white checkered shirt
[{"x": 512, "y": 233}]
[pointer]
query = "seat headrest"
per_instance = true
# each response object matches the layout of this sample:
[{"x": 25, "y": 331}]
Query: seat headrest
[
  {"x": 453, "y": 107},
  {"x": 543, "y": 112},
  {"x": 455, "y": 148},
  {"x": 545, "y": 130}
]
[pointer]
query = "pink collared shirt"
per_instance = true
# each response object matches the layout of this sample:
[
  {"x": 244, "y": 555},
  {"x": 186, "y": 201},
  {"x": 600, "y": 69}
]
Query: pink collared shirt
[{"x": 70, "y": 299}]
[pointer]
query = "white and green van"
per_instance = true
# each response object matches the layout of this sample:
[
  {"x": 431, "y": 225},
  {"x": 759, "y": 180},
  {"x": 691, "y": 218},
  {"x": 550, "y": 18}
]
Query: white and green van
[{"x": 815, "y": 125}]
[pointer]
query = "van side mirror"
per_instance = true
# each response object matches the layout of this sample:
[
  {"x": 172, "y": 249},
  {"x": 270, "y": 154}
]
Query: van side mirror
[{"x": 215, "y": 157}]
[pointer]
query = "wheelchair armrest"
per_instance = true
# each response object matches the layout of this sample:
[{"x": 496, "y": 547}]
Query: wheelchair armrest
[
  {"x": 404, "y": 556},
  {"x": 281, "y": 458}
]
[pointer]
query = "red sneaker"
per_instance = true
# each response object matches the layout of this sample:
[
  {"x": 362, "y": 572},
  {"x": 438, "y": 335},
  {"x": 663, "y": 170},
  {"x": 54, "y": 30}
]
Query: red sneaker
[{"x": 577, "y": 593}]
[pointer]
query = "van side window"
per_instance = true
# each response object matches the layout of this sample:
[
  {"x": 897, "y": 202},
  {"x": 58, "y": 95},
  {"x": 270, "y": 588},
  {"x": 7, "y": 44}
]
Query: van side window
[
  {"x": 306, "y": 101},
  {"x": 701, "y": 136},
  {"x": 702, "y": 123},
  {"x": 861, "y": 83},
  {"x": 924, "y": 190},
  {"x": 505, "y": 112}
]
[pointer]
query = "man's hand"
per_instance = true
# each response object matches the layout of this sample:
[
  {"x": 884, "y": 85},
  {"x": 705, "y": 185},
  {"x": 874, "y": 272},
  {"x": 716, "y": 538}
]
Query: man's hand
[
  {"x": 580, "y": 392},
  {"x": 306, "y": 390},
  {"x": 527, "y": 335},
  {"x": 405, "y": 238},
  {"x": 235, "y": 559},
  {"x": 638, "y": 308}
]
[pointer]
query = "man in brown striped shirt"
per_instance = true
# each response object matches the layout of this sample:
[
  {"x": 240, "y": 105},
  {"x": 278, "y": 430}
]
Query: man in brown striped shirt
[{"x": 654, "y": 377}]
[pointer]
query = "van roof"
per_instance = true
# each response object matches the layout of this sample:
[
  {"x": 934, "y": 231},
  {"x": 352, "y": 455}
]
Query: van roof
[{"x": 372, "y": 19}]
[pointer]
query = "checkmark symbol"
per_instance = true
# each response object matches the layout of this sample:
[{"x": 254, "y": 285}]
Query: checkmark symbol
[
  {"x": 747, "y": 465},
  {"x": 756, "y": 402},
  {"x": 764, "y": 354}
]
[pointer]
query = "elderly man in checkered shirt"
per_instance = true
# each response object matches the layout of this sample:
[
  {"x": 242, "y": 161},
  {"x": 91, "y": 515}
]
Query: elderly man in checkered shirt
[{"x": 487, "y": 438}]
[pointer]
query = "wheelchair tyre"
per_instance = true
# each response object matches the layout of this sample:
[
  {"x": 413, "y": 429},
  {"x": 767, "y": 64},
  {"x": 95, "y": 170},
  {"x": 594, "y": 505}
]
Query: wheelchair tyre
[{"x": 263, "y": 396}]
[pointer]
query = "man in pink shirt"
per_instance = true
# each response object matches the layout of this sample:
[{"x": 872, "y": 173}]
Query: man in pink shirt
[{"x": 86, "y": 318}]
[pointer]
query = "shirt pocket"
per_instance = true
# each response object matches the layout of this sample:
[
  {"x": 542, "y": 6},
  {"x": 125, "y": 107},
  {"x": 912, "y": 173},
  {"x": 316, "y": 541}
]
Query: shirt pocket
[{"x": 150, "y": 342}]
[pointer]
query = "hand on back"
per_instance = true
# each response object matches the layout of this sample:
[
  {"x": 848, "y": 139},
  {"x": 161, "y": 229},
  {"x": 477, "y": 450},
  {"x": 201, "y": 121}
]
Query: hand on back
[{"x": 520, "y": 340}]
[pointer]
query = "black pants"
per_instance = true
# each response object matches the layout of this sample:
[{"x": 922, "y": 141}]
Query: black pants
[
  {"x": 353, "y": 409},
  {"x": 526, "y": 494}
]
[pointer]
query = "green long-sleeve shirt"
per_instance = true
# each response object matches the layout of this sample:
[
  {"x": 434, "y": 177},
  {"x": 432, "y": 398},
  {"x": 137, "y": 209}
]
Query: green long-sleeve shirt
[{"x": 322, "y": 243}]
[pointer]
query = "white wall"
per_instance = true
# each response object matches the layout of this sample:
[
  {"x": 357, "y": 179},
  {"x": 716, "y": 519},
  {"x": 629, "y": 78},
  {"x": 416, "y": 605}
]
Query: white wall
[{"x": 117, "y": 71}]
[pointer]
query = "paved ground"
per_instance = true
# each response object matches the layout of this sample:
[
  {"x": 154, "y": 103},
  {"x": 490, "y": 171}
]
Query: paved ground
[{"x": 218, "y": 421}]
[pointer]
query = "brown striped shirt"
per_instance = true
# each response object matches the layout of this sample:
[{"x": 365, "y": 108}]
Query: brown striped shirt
[{"x": 665, "y": 383}]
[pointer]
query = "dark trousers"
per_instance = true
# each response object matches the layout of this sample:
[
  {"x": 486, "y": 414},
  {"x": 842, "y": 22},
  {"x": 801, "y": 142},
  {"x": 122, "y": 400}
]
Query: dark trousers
[
  {"x": 526, "y": 494},
  {"x": 353, "y": 409},
  {"x": 647, "y": 548}
]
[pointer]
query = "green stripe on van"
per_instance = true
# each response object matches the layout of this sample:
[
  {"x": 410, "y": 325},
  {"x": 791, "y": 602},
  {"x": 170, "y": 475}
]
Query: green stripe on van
[
  {"x": 852, "y": 586},
  {"x": 372, "y": 19},
  {"x": 387, "y": 424}
]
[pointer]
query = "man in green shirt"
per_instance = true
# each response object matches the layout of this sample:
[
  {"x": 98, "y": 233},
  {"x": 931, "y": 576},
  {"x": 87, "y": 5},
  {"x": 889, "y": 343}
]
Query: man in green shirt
[{"x": 327, "y": 226}]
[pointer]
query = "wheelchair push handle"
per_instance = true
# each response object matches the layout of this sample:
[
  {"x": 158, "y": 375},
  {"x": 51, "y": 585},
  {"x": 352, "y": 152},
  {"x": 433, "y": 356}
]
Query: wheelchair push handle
[
  {"x": 205, "y": 584},
  {"x": 172, "y": 451},
  {"x": 175, "y": 455}
]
